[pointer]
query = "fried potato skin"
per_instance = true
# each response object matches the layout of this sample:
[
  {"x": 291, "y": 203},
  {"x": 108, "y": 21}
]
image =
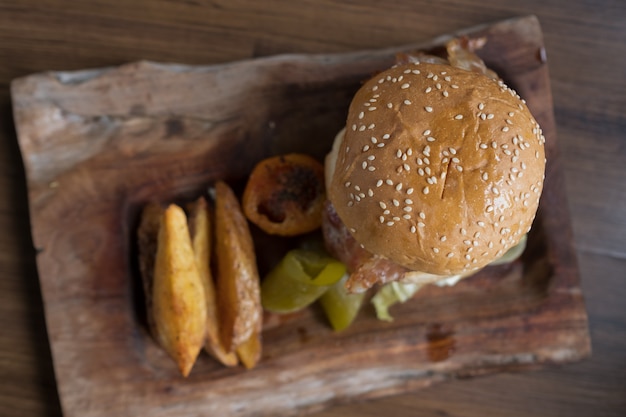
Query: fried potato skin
[
  {"x": 147, "y": 240},
  {"x": 237, "y": 277},
  {"x": 178, "y": 297}
]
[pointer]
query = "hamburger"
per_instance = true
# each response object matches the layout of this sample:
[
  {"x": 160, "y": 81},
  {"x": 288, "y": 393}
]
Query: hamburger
[{"x": 437, "y": 173}]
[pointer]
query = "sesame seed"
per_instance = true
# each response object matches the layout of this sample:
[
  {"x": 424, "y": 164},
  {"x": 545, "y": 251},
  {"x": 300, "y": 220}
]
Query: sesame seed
[
  {"x": 364, "y": 164},
  {"x": 405, "y": 86},
  {"x": 395, "y": 202},
  {"x": 366, "y": 148},
  {"x": 454, "y": 86},
  {"x": 426, "y": 161},
  {"x": 430, "y": 75},
  {"x": 423, "y": 216},
  {"x": 361, "y": 115},
  {"x": 380, "y": 145},
  {"x": 389, "y": 105},
  {"x": 490, "y": 116},
  {"x": 458, "y": 116},
  {"x": 390, "y": 223},
  {"x": 494, "y": 145},
  {"x": 426, "y": 190},
  {"x": 409, "y": 191},
  {"x": 386, "y": 136},
  {"x": 468, "y": 257},
  {"x": 371, "y": 157},
  {"x": 379, "y": 183},
  {"x": 381, "y": 219},
  {"x": 459, "y": 168},
  {"x": 489, "y": 209},
  {"x": 408, "y": 209},
  {"x": 420, "y": 224},
  {"x": 352, "y": 229},
  {"x": 505, "y": 129},
  {"x": 445, "y": 160},
  {"x": 407, "y": 71},
  {"x": 409, "y": 152},
  {"x": 483, "y": 146},
  {"x": 448, "y": 78},
  {"x": 398, "y": 186},
  {"x": 396, "y": 218},
  {"x": 398, "y": 153},
  {"x": 406, "y": 167},
  {"x": 374, "y": 140},
  {"x": 420, "y": 171},
  {"x": 508, "y": 121},
  {"x": 406, "y": 216},
  {"x": 371, "y": 168},
  {"x": 404, "y": 156},
  {"x": 388, "y": 182},
  {"x": 361, "y": 128},
  {"x": 435, "y": 77},
  {"x": 416, "y": 72},
  {"x": 481, "y": 224},
  {"x": 354, "y": 128},
  {"x": 436, "y": 250},
  {"x": 485, "y": 176},
  {"x": 483, "y": 116},
  {"x": 450, "y": 255},
  {"x": 443, "y": 238},
  {"x": 430, "y": 139},
  {"x": 438, "y": 86},
  {"x": 413, "y": 229},
  {"x": 467, "y": 242},
  {"x": 428, "y": 90},
  {"x": 386, "y": 212},
  {"x": 372, "y": 126},
  {"x": 348, "y": 183},
  {"x": 511, "y": 114},
  {"x": 362, "y": 195},
  {"x": 481, "y": 106},
  {"x": 455, "y": 160},
  {"x": 370, "y": 192},
  {"x": 426, "y": 132},
  {"x": 407, "y": 102},
  {"x": 350, "y": 203},
  {"x": 445, "y": 93},
  {"x": 428, "y": 109},
  {"x": 427, "y": 169}
]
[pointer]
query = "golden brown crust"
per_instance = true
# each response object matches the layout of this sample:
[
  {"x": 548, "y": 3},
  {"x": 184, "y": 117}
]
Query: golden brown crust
[{"x": 440, "y": 170}]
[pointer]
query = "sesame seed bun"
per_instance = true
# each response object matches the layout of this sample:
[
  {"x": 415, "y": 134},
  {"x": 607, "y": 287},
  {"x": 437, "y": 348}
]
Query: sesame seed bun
[{"x": 440, "y": 169}]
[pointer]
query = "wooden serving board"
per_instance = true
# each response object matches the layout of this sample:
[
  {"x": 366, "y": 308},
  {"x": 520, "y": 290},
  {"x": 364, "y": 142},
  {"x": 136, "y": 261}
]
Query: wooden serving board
[{"x": 98, "y": 144}]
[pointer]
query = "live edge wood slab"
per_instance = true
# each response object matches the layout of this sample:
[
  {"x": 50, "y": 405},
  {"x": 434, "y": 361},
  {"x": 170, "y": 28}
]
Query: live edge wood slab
[{"x": 98, "y": 144}]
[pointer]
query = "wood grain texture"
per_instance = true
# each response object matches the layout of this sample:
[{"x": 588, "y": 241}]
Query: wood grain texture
[
  {"x": 583, "y": 39},
  {"x": 97, "y": 145}
]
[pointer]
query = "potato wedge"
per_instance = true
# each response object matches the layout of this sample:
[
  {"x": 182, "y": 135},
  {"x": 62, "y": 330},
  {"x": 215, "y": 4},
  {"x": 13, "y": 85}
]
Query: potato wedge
[
  {"x": 200, "y": 231},
  {"x": 178, "y": 299},
  {"x": 250, "y": 351},
  {"x": 147, "y": 236},
  {"x": 237, "y": 276}
]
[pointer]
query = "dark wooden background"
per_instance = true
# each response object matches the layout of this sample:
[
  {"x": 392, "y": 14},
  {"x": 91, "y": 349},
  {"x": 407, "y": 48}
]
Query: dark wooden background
[{"x": 586, "y": 48}]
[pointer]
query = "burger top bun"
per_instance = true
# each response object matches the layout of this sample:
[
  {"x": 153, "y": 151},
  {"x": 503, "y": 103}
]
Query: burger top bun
[{"x": 440, "y": 169}]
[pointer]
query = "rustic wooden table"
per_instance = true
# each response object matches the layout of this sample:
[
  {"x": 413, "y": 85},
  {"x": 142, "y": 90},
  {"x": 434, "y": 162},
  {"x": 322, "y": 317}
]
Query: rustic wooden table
[{"x": 586, "y": 48}]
